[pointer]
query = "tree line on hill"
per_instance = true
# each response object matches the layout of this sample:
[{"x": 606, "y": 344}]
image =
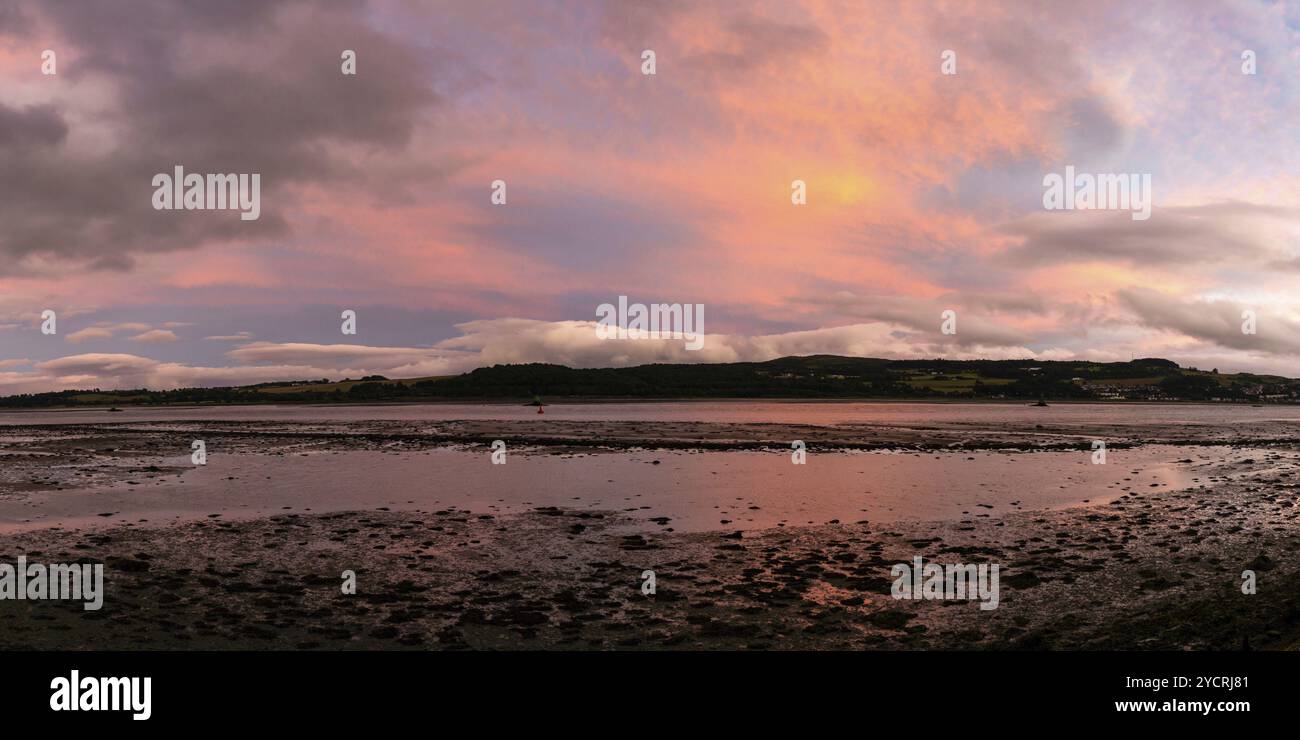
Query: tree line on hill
[{"x": 818, "y": 376}]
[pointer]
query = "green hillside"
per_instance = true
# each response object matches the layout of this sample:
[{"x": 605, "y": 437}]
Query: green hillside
[{"x": 816, "y": 376}]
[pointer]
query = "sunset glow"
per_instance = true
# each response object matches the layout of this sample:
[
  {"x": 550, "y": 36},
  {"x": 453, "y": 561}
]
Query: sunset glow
[{"x": 924, "y": 190}]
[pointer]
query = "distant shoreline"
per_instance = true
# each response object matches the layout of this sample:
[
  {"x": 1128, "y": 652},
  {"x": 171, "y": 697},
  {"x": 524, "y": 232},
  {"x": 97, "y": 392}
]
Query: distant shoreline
[{"x": 586, "y": 400}]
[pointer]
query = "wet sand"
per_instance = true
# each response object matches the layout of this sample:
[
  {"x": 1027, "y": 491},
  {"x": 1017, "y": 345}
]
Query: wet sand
[{"x": 1148, "y": 570}]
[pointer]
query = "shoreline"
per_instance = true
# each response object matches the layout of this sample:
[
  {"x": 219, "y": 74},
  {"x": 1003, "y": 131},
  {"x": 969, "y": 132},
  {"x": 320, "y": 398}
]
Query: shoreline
[
  {"x": 154, "y": 438},
  {"x": 600, "y": 400}
]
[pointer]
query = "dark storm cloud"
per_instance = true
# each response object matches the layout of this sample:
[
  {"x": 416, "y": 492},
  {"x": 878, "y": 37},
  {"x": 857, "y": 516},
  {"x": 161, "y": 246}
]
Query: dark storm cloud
[
  {"x": 213, "y": 86},
  {"x": 31, "y": 127}
]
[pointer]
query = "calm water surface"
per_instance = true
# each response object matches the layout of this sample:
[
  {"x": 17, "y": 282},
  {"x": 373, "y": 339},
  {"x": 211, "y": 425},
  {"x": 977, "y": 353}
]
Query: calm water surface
[
  {"x": 720, "y": 411},
  {"x": 693, "y": 490}
]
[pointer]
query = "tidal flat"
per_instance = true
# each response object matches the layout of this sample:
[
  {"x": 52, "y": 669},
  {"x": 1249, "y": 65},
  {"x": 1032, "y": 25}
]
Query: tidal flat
[{"x": 1146, "y": 551}]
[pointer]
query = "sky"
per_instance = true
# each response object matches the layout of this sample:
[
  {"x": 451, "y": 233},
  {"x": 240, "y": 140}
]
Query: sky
[{"x": 924, "y": 190}]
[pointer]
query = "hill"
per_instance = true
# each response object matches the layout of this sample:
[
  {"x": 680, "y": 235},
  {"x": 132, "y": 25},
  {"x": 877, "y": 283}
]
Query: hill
[{"x": 815, "y": 376}]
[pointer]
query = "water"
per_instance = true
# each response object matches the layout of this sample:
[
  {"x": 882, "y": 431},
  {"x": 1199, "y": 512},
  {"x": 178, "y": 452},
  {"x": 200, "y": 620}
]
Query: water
[
  {"x": 697, "y": 491},
  {"x": 1016, "y": 414},
  {"x": 694, "y": 490}
]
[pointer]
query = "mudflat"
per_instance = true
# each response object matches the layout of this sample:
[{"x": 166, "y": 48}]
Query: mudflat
[{"x": 1149, "y": 568}]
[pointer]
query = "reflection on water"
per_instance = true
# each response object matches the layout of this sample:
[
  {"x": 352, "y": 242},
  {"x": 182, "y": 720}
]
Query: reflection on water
[{"x": 694, "y": 490}]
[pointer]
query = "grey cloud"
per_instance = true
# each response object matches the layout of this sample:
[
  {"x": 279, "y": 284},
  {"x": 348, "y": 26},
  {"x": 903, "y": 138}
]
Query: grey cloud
[
  {"x": 31, "y": 126},
  {"x": 12, "y": 18},
  {"x": 274, "y": 102},
  {"x": 1218, "y": 322},
  {"x": 977, "y": 316},
  {"x": 1234, "y": 232},
  {"x": 386, "y": 359},
  {"x": 117, "y": 365}
]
